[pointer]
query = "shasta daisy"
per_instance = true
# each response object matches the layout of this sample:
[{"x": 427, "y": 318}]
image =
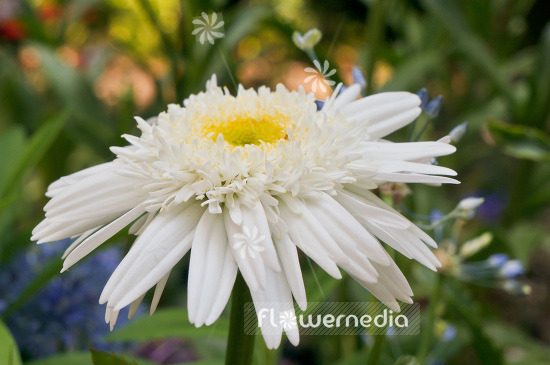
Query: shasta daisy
[{"x": 243, "y": 182}]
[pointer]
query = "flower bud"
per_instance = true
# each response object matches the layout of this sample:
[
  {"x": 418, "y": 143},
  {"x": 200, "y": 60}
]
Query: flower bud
[
  {"x": 467, "y": 207},
  {"x": 359, "y": 77},
  {"x": 434, "y": 106},
  {"x": 475, "y": 245},
  {"x": 424, "y": 97},
  {"x": 458, "y": 132},
  {"x": 511, "y": 269},
  {"x": 307, "y": 41},
  {"x": 498, "y": 259}
]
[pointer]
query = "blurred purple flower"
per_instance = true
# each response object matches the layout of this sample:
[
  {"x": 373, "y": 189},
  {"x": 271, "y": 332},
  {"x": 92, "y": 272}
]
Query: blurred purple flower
[{"x": 58, "y": 317}]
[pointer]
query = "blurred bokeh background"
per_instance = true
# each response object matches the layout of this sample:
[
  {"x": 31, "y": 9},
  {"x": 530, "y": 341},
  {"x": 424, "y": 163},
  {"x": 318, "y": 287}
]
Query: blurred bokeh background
[{"x": 73, "y": 74}]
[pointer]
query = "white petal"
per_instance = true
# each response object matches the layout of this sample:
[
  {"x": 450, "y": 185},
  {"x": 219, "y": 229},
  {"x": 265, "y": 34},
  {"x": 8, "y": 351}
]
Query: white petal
[
  {"x": 349, "y": 95},
  {"x": 76, "y": 242},
  {"x": 158, "y": 293},
  {"x": 346, "y": 229},
  {"x": 211, "y": 262},
  {"x": 291, "y": 265},
  {"x": 163, "y": 243},
  {"x": 377, "y": 100},
  {"x": 95, "y": 240},
  {"x": 278, "y": 298},
  {"x": 98, "y": 195},
  {"x": 301, "y": 236}
]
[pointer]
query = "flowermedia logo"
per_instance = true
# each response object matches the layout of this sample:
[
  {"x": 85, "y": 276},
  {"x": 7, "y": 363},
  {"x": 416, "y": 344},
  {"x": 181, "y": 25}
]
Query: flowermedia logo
[
  {"x": 208, "y": 27},
  {"x": 320, "y": 75},
  {"x": 249, "y": 242},
  {"x": 333, "y": 318}
]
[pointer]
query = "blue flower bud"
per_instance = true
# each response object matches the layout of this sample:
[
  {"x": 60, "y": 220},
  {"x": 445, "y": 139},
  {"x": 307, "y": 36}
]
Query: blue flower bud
[
  {"x": 359, "y": 77},
  {"x": 424, "y": 97},
  {"x": 434, "y": 106},
  {"x": 511, "y": 269},
  {"x": 449, "y": 334},
  {"x": 498, "y": 259}
]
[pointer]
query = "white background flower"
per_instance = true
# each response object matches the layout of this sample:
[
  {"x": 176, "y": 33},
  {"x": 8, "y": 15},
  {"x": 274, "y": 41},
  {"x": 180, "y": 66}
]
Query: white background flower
[
  {"x": 319, "y": 76},
  {"x": 208, "y": 27},
  {"x": 248, "y": 242}
]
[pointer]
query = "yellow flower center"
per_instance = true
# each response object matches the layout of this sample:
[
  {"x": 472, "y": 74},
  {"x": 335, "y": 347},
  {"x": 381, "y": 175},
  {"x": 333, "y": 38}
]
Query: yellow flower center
[{"x": 241, "y": 130}]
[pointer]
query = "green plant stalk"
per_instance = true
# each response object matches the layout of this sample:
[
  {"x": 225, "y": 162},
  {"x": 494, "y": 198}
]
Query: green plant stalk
[
  {"x": 240, "y": 346},
  {"x": 374, "y": 356},
  {"x": 374, "y": 34},
  {"x": 428, "y": 330}
]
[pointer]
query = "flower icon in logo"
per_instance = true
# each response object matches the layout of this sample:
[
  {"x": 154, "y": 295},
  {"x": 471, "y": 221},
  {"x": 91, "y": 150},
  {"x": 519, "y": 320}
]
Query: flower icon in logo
[
  {"x": 249, "y": 242},
  {"x": 288, "y": 320},
  {"x": 207, "y": 27},
  {"x": 320, "y": 76}
]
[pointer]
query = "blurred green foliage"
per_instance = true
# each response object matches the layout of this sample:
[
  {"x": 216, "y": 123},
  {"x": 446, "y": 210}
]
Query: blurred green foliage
[{"x": 74, "y": 73}]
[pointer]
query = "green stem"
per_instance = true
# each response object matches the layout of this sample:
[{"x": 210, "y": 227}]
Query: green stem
[
  {"x": 376, "y": 351},
  {"x": 428, "y": 329},
  {"x": 240, "y": 346},
  {"x": 374, "y": 34}
]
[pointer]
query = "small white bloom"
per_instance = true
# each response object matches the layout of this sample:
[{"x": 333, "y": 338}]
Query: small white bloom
[
  {"x": 297, "y": 177},
  {"x": 208, "y": 27},
  {"x": 319, "y": 76},
  {"x": 248, "y": 243},
  {"x": 467, "y": 207},
  {"x": 307, "y": 41}
]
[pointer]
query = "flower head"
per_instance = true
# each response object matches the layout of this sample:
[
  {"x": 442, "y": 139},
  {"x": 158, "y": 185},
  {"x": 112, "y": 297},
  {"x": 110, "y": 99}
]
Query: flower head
[{"x": 266, "y": 160}]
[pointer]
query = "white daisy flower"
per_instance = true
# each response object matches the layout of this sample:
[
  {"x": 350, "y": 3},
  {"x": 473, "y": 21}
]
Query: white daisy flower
[
  {"x": 208, "y": 27},
  {"x": 201, "y": 173},
  {"x": 320, "y": 76}
]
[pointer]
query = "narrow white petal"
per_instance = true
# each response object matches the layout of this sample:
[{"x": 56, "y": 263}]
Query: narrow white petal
[
  {"x": 134, "y": 306},
  {"x": 211, "y": 261},
  {"x": 76, "y": 242},
  {"x": 347, "y": 96},
  {"x": 376, "y": 100},
  {"x": 95, "y": 240},
  {"x": 277, "y": 298},
  {"x": 346, "y": 229},
  {"x": 291, "y": 265},
  {"x": 389, "y": 125},
  {"x": 159, "y": 288},
  {"x": 307, "y": 244},
  {"x": 166, "y": 238}
]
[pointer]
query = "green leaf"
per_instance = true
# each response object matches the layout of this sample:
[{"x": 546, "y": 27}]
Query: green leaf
[
  {"x": 33, "y": 152},
  {"x": 103, "y": 358},
  {"x": 9, "y": 354},
  {"x": 171, "y": 322},
  {"x": 508, "y": 336},
  {"x": 71, "y": 358},
  {"x": 406, "y": 360},
  {"x": 520, "y": 141},
  {"x": 12, "y": 145},
  {"x": 538, "y": 107}
]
